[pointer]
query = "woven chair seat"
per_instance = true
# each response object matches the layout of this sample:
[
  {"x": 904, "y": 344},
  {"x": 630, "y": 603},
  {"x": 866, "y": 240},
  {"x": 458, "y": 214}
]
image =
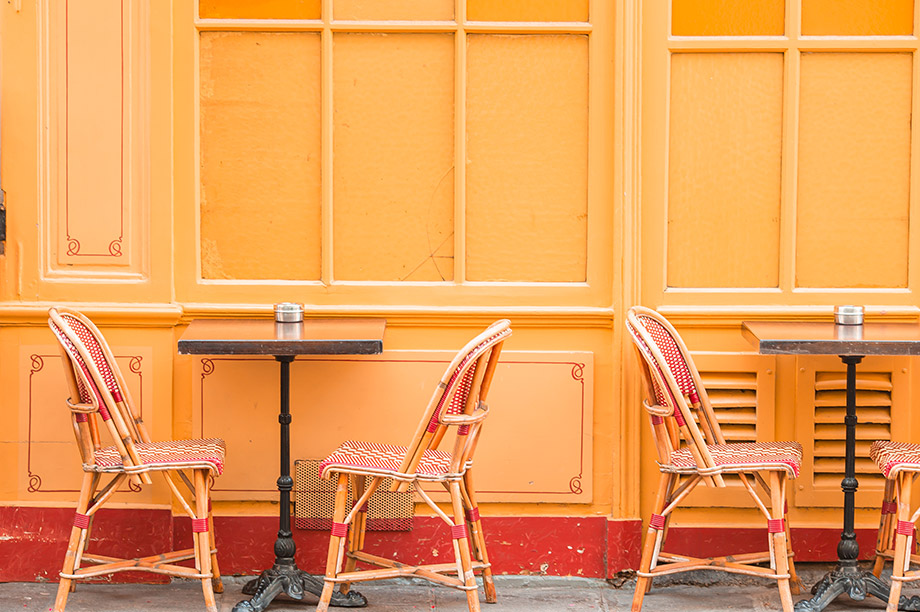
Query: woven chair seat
[
  {"x": 895, "y": 456},
  {"x": 208, "y": 453},
  {"x": 744, "y": 456},
  {"x": 382, "y": 459}
]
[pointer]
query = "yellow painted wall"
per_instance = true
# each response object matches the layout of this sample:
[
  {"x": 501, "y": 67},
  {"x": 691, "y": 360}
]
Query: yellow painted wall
[{"x": 442, "y": 164}]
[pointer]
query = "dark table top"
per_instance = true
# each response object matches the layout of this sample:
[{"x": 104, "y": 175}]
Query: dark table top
[
  {"x": 265, "y": 337},
  {"x": 826, "y": 338}
]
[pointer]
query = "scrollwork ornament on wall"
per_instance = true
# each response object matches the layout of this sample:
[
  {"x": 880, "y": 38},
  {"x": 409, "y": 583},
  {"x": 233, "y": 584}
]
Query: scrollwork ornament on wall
[
  {"x": 73, "y": 246},
  {"x": 575, "y": 485}
]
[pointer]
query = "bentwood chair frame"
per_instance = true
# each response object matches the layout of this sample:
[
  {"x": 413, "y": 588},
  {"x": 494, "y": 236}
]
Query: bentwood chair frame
[
  {"x": 98, "y": 389},
  {"x": 680, "y": 410},
  {"x": 458, "y": 402},
  {"x": 899, "y": 462}
]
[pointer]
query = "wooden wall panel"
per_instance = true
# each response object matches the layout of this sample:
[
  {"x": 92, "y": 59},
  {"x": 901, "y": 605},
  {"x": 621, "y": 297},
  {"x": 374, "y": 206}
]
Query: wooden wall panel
[
  {"x": 263, "y": 9},
  {"x": 527, "y": 155},
  {"x": 260, "y": 156},
  {"x": 854, "y": 170},
  {"x": 857, "y": 17},
  {"x": 527, "y": 10},
  {"x": 539, "y": 401},
  {"x": 95, "y": 140},
  {"x": 724, "y": 165},
  {"x": 393, "y": 9},
  {"x": 393, "y": 183},
  {"x": 49, "y": 462},
  {"x": 727, "y": 18}
]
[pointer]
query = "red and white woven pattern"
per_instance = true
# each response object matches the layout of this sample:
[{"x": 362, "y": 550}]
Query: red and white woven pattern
[
  {"x": 85, "y": 396},
  {"x": 91, "y": 344},
  {"x": 746, "y": 455},
  {"x": 207, "y": 452},
  {"x": 672, "y": 356},
  {"x": 895, "y": 456},
  {"x": 663, "y": 397},
  {"x": 382, "y": 459},
  {"x": 458, "y": 401}
]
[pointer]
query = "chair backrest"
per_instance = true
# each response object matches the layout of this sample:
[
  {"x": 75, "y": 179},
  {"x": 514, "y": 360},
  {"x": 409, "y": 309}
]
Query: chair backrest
[
  {"x": 461, "y": 392},
  {"x": 676, "y": 400},
  {"x": 97, "y": 387}
]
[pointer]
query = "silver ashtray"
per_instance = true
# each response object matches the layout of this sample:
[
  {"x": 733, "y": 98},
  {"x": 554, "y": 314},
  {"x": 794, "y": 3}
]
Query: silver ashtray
[
  {"x": 848, "y": 315},
  {"x": 288, "y": 331},
  {"x": 288, "y": 312}
]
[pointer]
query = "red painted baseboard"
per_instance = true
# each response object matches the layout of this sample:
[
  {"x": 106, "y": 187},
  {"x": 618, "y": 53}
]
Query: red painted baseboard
[{"x": 33, "y": 541}]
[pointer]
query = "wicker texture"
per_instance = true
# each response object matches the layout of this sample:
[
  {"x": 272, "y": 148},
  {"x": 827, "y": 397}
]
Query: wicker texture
[
  {"x": 745, "y": 456},
  {"x": 895, "y": 456},
  {"x": 384, "y": 459},
  {"x": 177, "y": 454}
]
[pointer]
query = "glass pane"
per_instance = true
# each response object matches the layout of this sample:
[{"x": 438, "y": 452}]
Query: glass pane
[
  {"x": 727, "y": 17},
  {"x": 401, "y": 10},
  {"x": 260, "y": 155},
  {"x": 393, "y": 186},
  {"x": 527, "y": 158},
  {"x": 527, "y": 10},
  {"x": 857, "y": 17},
  {"x": 263, "y": 9},
  {"x": 724, "y": 169},
  {"x": 854, "y": 170}
]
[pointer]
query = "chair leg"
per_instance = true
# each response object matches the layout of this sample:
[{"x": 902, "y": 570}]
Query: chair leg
[
  {"x": 779, "y": 549},
  {"x": 77, "y": 541},
  {"x": 203, "y": 538},
  {"x": 217, "y": 583},
  {"x": 356, "y": 532},
  {"x": 651, "y": 547},
  {"x": 478, "y": 537},
  {"x": 902, "y": 540},
  {"x": 886, "y": 521},
  {"x": 334, "y": 556},
  {"x": 463, "y": 543}
]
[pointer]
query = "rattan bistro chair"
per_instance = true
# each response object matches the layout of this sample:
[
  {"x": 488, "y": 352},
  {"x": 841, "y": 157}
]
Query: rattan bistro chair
[
  {"x": 680, "y": 411},
  {"x": 900, "y": 464},
  {"x": 97, "y": 388},
  {"x": 458, "y": 402}
]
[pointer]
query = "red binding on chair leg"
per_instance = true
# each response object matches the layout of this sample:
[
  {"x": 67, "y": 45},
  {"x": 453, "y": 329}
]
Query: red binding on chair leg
[
  {"x": 656, "y": 521},
  {"x": 776, "y": 525}
]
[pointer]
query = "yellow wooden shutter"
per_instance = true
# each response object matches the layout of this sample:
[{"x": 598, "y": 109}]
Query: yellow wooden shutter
[{"x": 881, "y": 410}]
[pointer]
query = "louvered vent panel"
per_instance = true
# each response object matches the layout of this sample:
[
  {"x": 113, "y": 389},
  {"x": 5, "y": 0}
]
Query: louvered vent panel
[
  {"x": 741, "y": 390},
  {"x": 873, "y": 412},
  {"x": 734, "y": 401}
]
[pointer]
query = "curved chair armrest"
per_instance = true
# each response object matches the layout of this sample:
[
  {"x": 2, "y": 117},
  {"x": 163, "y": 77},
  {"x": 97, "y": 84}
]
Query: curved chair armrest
[
  {"x": 84, "y": 408},
  {"x": 657, "y": 409},
  {"x": 481, "y": 412}
]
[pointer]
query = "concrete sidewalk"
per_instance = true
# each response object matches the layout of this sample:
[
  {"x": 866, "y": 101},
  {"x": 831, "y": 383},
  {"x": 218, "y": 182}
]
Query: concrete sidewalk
[{"x": 516, "y": 594}]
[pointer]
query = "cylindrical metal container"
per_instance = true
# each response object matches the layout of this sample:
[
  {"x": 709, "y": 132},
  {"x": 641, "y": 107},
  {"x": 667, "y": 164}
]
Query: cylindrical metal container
[
  {"x": 848, "y": 315},
  {"x": 288, "y": 312}
]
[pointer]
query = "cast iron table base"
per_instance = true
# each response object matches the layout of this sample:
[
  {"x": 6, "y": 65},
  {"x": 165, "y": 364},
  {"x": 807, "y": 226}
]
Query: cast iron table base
[
  {"x": 847, "y": 577},
  {"x": 285, "y": 576}
]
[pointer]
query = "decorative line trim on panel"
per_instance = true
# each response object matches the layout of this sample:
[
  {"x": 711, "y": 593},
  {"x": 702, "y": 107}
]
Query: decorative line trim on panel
[{"x": 38, "y": 364}]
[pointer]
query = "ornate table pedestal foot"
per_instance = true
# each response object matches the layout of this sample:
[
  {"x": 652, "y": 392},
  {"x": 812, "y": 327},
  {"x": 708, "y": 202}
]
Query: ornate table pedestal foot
[
  {"x": 288, "y": 579},
  {"x": 850, "y": 580}
]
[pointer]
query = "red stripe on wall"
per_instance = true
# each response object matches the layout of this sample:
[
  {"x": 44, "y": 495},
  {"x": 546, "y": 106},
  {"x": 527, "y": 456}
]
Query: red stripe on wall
[{"x": 33, "y": 542}]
